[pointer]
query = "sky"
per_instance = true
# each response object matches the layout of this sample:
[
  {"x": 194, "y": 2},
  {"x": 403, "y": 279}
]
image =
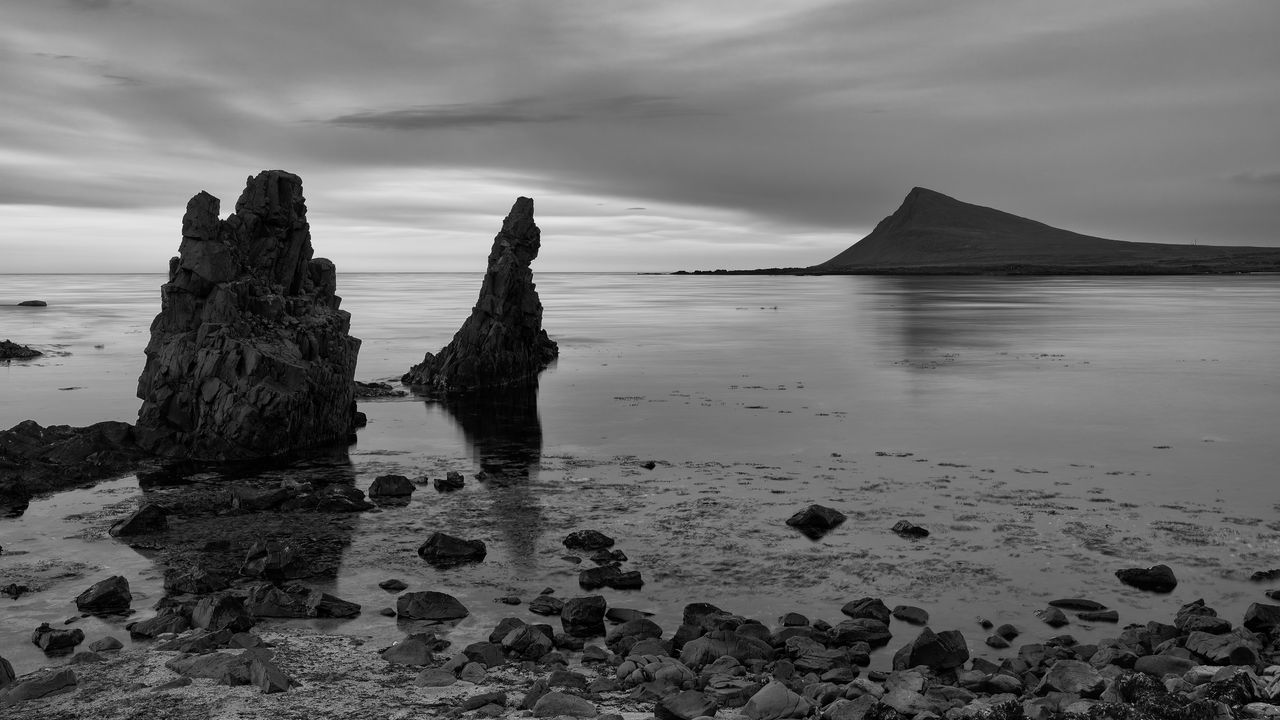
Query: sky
[{"x": 652, "y": 135}]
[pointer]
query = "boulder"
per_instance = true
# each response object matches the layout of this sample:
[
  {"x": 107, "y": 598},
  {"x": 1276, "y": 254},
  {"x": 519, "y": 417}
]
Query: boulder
[
  {"x": 867, "y": 607},
  {"x": 7, "y": 675},
  {"x": 430, "y": 605},
  {"x": 49, "y": 683},
  {"x": 502, "y": 342},
  {"x": 441, "y": 550},
  {"x": 413, "y": 650},
  {"x": 250, "y": 356},
  {"x": 587, "y": 540},
  {"x": 1159, "y": 666},
  {"x": 774, "y": 702},
  {"x": 1238, "y": 647},
  {"x": 1072, "y": 676},
  {"x": 583, "y": 617},
  {"x": 150, "y": 518},
  {"x": 169, "y": 622},
  {"x": 56, "y": 641},
  {"x": 816, "y": 520},
  {"x": 940, "y": 651},
  {"x": 528, "y": 642},
  {"x": 1158, "y": 578},
  {"x": 716, "y": 644},
  {"x": 1261, "y": 617},
  {"x": 667, "y": 672},
  {"x": 452, "y": 480},
  {"x": 391, "y": 486},
  {"x": 106, "y": 644},
  {"x": 274, "y": 561},
  {"x": 633, "y": 630},
  {"x": 1053, "y": 617},
  {"x": 33, "y": 303},
  {"x": 546, "y": 605},
  {"x": 267, "y": 677},
  {"x": 106, "y": 596},
  {"x": 868, "y": 630},
  {"x": 558, "y": 704},
  {"x": 221, "y": 612},
  {"x": 911, "y": 614}
]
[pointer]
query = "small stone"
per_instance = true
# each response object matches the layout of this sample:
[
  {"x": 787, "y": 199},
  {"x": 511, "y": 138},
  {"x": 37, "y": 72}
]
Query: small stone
[
  {"x": 391, "y": 486},
  {"x": 106, "y": 644},
  {"x": 1078, "y": 604},
  {"x": 911, "y": 614},
  {"x": 430, "y": 605},
  {"x": 393, "y": 585},
  {"x": 908, "y": 529},
  {"x": 816, "y": 520},
  {"x": 997, "y": 642},
  {"x": 1109, "y": 616},
  {"x": 1053, "y": 617}
]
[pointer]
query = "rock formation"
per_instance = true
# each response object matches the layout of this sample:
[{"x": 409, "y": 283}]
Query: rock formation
[
  {"x": 502, "y": 342},
  {"x": 11, "y": 350},
  {"x": 35, "y": 459},
  {"x": 250, "y": 356}
]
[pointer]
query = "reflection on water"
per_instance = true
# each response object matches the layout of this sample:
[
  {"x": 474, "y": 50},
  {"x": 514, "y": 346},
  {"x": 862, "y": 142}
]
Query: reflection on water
[{"x": 504, "y": 437}]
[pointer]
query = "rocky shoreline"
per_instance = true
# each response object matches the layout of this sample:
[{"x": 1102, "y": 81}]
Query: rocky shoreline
[{"x": 610, "y": 662}]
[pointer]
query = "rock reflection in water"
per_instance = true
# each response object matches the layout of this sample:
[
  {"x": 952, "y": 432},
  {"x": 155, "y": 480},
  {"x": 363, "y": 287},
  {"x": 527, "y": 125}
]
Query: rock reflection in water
[{"x": 504, "y": 435}]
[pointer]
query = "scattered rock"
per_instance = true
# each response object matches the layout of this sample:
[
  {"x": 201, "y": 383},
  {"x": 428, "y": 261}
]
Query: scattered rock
[
  {"x": 33, "y": 303},
  {"x": 1261, "y": 617},
  {"x": 430, "y": 605},
  {"x": 106, "y": 597},
  {"x": 56, "y": 641},
  {"x": 1158, "y": 578},
  {"x": 546, "y": 605},
  {"x": 502, "y": 342},
  {"x": 250, "y": 356},
  {"x": 169, "y": 622},
  {"x": 1053, "y": 617},
  {"x": 413, "y": 650},
  {"x": 937, "y": 651},
  {"x": 867, "y": 607},
  {"x": 44, "y": 685},
  {"x": 908, "y": 529},
  {"x": 556, "y": 704},
  {"x": 1072, "y": 676},
  {"x": 775, "y": 702},
  {"x": 587, "y": 540},
  {"x": 221, "y": 612},
  {"x": 7, "y": 676},
  {"x": 193, "y": 581},
  {"x": 911, "y": 614},
  {"x": 435, "y": 677},
  {"x": 441, "y": 550},
  {"x": 150, "y": 518},
  {"x": 816, "y": 520},
  {"x": 267, "y": 677},
  {"x": 393, "y": 585},
  {"x": 391, "y": 486},
  {"x": 106, "y": 644},
  {"x": 583, "y": 617},
  {"x": 451, "y": 481},
  {"x": 36, "y": 459}
]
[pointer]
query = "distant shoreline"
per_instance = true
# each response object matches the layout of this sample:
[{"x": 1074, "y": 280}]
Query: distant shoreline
[{"x": 998, "y": 270}]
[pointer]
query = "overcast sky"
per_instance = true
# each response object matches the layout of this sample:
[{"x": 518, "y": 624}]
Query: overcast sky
[{"x": 651, "y": 135}]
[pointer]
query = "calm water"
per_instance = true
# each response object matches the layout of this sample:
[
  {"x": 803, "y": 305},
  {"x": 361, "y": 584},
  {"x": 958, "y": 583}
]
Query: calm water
[{"x": 1048, "y": 431}]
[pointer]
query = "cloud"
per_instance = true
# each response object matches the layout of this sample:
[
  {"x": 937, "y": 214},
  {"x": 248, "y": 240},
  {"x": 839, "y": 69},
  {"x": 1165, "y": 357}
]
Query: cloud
[
  {"x": 1256, "y": 177},
  {"x": 513, "y": 111}
]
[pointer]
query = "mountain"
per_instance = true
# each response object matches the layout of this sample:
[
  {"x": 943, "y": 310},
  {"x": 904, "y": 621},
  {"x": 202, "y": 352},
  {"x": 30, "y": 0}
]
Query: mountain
[{"x": 933, "y": 233}]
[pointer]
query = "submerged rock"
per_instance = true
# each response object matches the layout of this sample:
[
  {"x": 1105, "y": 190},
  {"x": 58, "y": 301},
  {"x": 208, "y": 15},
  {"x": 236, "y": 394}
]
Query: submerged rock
[
  {"x": 250, "y": 356},
  {"x": 502, "y": 342},
  {"x": 816, "y": 520}
]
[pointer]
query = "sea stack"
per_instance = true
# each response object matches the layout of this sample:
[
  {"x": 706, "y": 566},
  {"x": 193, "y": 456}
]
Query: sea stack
[
  {"x": 502, "y": 342},
  {"x": 250, "y": 356}
]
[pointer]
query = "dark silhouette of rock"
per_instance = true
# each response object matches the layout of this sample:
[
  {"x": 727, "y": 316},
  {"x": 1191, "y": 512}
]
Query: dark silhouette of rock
[
  {"x": 933, "y": 233},
  {"x": 867, "y": 607},
  {"x": 816, "y": 520},
  {"x": 908, "y": 529},
  {"x": 35, "y": 459},
  {"x": 13, "y": 351},
  {"x": 56, "y": 641},
  {"x": 1080, "y": 604},
  {"x": 502, "y": 342},
  {"x": 107, "y": 596},
  {"x": 430, "y": 605},
  {"x": 1261, "y": 617},
  {"x": 169, "y": 622},
  {"x": 1158, "y": 578},
  {"x": 49, "y": 683},
  {"x": 442, "y": 550},
  {"x": 937, "y": 651},
  {"x": 587, "y": 540},
  {"x": 391, "y": 486},
  {"x": 250, "y": 356},
  {"x": 583, "y": 617},
  {"x": 33, "y": 303},
  {"x": 7, "y": 675}
]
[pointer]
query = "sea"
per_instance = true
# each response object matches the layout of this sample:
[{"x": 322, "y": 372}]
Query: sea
[{"x": 1047, "y": 431}]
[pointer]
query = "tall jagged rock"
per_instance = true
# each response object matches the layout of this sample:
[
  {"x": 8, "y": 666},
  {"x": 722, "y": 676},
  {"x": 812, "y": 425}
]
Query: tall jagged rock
[
  {"x": 250, "y": 356},
  {"x": 502, "y": 342}
]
